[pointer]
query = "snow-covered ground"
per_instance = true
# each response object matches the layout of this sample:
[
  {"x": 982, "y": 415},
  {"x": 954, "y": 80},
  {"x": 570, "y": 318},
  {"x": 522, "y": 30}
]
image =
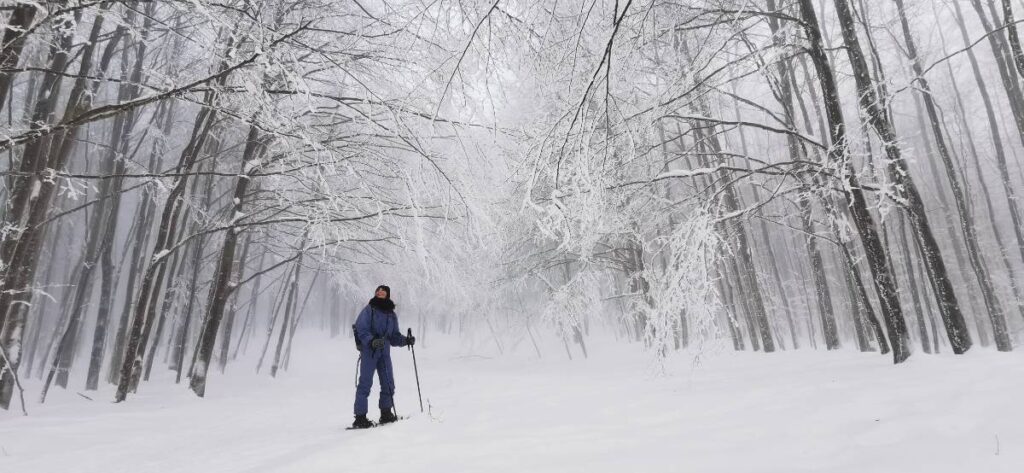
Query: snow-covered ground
[{"x": 734, "y": 412}]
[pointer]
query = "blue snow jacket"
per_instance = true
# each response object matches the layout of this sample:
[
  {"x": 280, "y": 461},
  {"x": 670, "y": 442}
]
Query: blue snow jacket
[{"x": 375, "y": 322}]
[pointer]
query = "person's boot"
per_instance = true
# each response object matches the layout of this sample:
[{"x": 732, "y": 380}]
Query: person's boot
[
  {"x": 362, "y": 422},
  {"x": 387, "y": 417}
]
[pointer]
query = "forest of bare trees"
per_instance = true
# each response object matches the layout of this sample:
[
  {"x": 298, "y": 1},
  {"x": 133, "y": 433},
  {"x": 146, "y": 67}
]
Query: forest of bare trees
[{"x": 188, "y": 181}]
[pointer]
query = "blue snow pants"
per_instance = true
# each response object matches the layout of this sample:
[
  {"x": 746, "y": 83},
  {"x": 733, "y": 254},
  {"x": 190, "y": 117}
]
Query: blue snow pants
[{"x": 378, "y": 361}]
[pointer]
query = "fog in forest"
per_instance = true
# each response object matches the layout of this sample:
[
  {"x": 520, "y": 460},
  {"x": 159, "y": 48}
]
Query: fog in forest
[{"x": 188, "y": 184}]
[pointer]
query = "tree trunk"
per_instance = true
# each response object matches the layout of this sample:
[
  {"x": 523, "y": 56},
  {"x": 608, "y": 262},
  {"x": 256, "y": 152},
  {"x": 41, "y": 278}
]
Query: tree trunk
[
  {"x": 730, "y": 305},
  {"x": 865, "y": 301},
  {"x": 13, "y": 42},
  {"x": 181, "y": 341},
  {"x": 229, "y": 317},
  {"x": 823, "y": 295},
  {"x": 222, "y": 285}
]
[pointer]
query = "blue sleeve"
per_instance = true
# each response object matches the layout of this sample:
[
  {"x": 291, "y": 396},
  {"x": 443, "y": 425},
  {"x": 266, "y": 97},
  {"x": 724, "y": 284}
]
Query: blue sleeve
[
  {"x": 363, "y": 333},
  {"x": 395, "y": 337}
]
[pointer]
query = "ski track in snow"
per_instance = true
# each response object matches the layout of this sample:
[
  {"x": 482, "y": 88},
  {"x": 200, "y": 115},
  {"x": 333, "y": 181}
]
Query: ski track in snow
[{"x": 802, "y": 411}]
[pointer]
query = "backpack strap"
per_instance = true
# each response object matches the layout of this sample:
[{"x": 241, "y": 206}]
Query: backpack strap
[{"x": 372, "y": 330}]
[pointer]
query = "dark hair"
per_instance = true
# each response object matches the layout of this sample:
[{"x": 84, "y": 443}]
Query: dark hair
[{"x": 385, "y": 288}]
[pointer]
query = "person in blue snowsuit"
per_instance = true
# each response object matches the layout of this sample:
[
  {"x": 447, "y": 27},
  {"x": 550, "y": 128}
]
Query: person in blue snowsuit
[{"x": 376, "y": 330}]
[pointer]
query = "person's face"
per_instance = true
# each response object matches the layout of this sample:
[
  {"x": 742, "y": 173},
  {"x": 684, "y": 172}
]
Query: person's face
[{"x": 382, "y": 294}]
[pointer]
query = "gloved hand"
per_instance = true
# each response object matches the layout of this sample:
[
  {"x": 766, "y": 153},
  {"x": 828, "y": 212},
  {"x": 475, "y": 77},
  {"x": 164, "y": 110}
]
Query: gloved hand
[
  {"x": 410, "y": 340},
  {"x": 377, "y": 343}
]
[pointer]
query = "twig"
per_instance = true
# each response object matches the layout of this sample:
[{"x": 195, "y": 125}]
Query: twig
[
  {"x": 462, "y": 56},
  {"x": 14, "y": 373}
]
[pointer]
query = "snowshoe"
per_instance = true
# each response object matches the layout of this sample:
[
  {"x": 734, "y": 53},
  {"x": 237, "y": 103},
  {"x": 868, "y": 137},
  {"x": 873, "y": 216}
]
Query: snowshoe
[
  {"x": 361, "y": 422},
  {"x": 387, "y": 417}
]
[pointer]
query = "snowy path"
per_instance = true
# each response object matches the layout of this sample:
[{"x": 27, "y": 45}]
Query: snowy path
[{"x": 786, "y": 412}]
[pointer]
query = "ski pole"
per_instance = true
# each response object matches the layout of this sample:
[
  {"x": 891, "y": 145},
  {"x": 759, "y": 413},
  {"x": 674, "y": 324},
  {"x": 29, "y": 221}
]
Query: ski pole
[{"x": 417, "y": 371}]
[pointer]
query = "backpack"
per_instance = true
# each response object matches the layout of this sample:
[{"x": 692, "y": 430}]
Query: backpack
[{"x": 356, "y": 337}]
